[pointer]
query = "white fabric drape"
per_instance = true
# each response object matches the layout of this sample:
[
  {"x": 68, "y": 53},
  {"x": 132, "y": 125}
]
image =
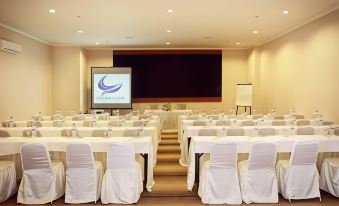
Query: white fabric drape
[
  {"x": 329, "y": 177},
  {"x": 258, "y": 181},
  {"x": 42, "y": 181},
  {"x": 7, "y": 180},
  {"x": 298, "y": 178},
  {"x": 83, "y": 175},
  {"x": 122, "y": 182},
  {"x": 219, "y": 182}
]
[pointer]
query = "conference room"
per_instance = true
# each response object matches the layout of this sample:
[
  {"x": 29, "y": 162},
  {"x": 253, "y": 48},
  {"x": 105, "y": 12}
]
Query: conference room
[{"x": 169, "y": 102}]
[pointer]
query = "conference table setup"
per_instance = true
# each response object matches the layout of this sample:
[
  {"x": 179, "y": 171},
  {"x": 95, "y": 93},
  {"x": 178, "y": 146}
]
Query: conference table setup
[
  {"x": 203, "y": 144},
  {"x": 168, "y": 119}
]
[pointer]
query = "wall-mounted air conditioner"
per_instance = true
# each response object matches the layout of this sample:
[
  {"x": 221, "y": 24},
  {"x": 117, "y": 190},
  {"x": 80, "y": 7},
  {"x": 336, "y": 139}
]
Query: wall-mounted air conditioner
[{"x": 10, "y": 47}]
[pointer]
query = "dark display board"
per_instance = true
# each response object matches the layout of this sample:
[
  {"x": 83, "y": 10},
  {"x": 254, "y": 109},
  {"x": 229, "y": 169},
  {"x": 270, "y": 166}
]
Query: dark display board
[{"x": 173, "y": 74}]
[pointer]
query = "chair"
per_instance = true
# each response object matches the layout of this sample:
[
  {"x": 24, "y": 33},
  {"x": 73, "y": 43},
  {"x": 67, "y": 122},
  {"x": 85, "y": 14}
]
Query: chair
[
  {"x": 199, "y": 123},
  {"x": 235, "y": 132},
  {"x": 247, "y": 123},
  {"x": 298, "y": 116},
  {"x": 223, "y": 123},
  {"x": 193, "y": 117},
  {"x": 298, "y": 178},
  {"x": 4, "y": 133},
  {"x": 279, "y": 117},
  {"x": 68, "y": 133},
  {"x": 138, "y": 123},
  {"x": 42, "y": 181},
  {"x": 258, "y": 181},
  {"x": 122, "y": 182},
  {"x": 327, "y": 123},
  {"x": 88, "y": 123},
  {"x": 329, "y": 176},
  {"x": 28, "y": 133},
  {"x": 76, "y": 118},
  {"x": 305, "y": 131},
  {"x": 219, "y": 182},
  {"x": 102, "y": 118},
  {"x": 181, "y": 106},
  {"x": 8, "y": 124},
  {"x": 213, "y": 117},
  {"x": 207, "y": 132},
  {"x": 131, "y": 133},
  {"x": 336, "y": 132},
  {"x": 7, "y": 180},
  {"x": 116, "y": 123},
  {"x": 257, "y": 116},
  {"x": 153, "y": 107},
  {"x": 302, "y": 122},
  {"x": 278, "y": 123},
  {"x": 83, "y": 174},
  {"x": 266, "y": 132}
]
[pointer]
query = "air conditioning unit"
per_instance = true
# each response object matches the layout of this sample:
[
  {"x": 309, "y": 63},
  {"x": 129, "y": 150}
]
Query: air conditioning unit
[{"x": 10, "y": 47}]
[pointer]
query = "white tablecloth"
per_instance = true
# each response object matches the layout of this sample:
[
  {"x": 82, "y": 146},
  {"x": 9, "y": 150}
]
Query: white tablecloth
[
  {"x": 168, "y": 119},
  {"x": 11, "y": 145},
  {"x": 190, "y": 131},
  {"x": 203, "y": 144}
]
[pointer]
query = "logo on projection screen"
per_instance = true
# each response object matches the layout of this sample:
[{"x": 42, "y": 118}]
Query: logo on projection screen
[{"x": 108, "y": 89}]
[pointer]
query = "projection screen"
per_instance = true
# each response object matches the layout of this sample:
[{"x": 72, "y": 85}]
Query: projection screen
[{"x": 111, "y": 87}]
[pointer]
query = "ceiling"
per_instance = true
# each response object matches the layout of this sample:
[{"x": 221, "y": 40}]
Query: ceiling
[{"x": 144, "y": 23}]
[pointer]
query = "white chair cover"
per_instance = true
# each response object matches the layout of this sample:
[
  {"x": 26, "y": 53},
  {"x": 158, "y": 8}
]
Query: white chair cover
[
  {"x": 219, "y": 182},
  {"x": 199, "y": 123},
  {"x": 305, "y": 131},
  {"x": 122, "y": 183},
  {"x": 83, "y": 175},
  {"x": 258, "y": 181},
  {"x": 266, "y": 131},
  {"x": 42, "y": 180},
  {"x": 298, "y": 178},
  {"x": 329, "y": 176},
  {"x": 207, "y": 132},
  {"x": 303, "y": 122},
  {"x": 247, "y": 123},
  {"x": 7, "y": 180},
  {"x": 278, "y": 123},
  {"x": 235, "y": 132},
  {"x": 223, "y": 123}
]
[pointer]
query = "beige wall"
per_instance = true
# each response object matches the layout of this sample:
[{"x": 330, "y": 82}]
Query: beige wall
[
  {"x": 301, "y": 69},
  {"x": 25, "y": 78},
  {"x": 234, "y": 70},
  {"x": 66, "y": 76},
  {"x": 83, "y": 79}
]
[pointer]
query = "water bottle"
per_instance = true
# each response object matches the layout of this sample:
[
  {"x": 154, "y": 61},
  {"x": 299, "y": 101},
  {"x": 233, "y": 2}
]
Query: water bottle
[
  {"x": 214, "y": 110},
  {"x": 273, "y": 111},
  {"x": 34, "y": 130},
  {"x": 11, "y": 122},
  {"x": 74, "y": 131},
  {"x": 141, "y": 130},
  {"x": 109, "y": 130}
]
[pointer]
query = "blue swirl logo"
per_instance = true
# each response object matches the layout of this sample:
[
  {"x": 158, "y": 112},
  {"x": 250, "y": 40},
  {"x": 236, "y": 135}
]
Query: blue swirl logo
[{"x": 108, "y": 89}]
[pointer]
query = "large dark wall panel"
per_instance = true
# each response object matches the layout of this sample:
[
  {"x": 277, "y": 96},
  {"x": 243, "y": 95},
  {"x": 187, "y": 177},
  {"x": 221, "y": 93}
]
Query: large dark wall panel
[{"x": 173, "y": 74}]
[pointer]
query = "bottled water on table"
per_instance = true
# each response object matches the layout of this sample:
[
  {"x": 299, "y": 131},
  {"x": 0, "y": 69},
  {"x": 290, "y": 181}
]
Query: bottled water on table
[
  {"x": 34, "y": 131},
  {"x": 141, "y": 130},
  {"x": 74, "y": 131}
]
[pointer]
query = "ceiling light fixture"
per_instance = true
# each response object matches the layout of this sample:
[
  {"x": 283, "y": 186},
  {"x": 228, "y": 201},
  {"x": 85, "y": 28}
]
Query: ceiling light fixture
[
  {"x": 285, "y": 12},
  {"x": 52, "y": 11},
  {"x": 80, "y": 31},
  {"x": 168, "y": 31},
  {"x": 97, "y": 43},
  {"x": 168, "y": 43},
  {"x": 170, "y": 10},
  {"x": 255, "y": 32},
  {"x": 237, "y": 43}
]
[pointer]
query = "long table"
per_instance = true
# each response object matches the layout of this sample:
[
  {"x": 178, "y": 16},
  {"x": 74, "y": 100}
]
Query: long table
[
  {"x": 168, "y": 119},
  {"x": 203, "y": 144},
  {"x": 142, "y": 145}
]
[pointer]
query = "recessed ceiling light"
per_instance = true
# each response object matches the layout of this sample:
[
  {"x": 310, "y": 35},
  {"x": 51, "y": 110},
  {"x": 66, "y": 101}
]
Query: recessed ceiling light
[
  {"x": 52, "y": 11},
  {"x": 170, "y": 10},
  {"x": 97, "y": 43},
  {"x": 168, "y": 43},
  {"x": 237, "y": 43},
  {"x": 285, "y": 12},
  {"x": 80, "y": 31},
  {"x": 168, "y": 31},
  {"x": 255, "y": 32}
]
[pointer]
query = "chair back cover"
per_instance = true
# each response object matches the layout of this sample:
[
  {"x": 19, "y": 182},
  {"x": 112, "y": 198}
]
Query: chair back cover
[
  {"x": 304, "y": 153},
  {"x": 235, "y": 132},
  {"x": 336, "y": 132},
  {"x": 99, "y": 133},
  {"x": 207, "y": 132},
  {"x": 131, "y": 133},
  {"x": 223, "y": 123},
  {"x": 247, "y": 123},
  {"x": 279, "y": 117},
  {"x": 35, "y": 156},
  {"x": 79, "y": 155},
  {"x": 278, "y": 123},
  {"x": 257, "y": 116},
  {"x": 262, "y": 156},
  {"x": 4, "y": 133},
  {"x": 199, "y": 123},
  {"x": 305, "y": 131},
  {"x": 223, "y": 156},
  {"x": 138, "y": 123},
  {"x": 120, "y": 156},
  {"x": 266, "y": 131},
  {"x": 303, "y": 122},
  {"x": 298, "y": 116},
  {"x": 193, "y": 117}
]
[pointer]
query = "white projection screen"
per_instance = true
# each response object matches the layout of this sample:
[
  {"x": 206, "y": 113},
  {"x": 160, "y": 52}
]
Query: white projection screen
[{"x": 111, "y": 87}]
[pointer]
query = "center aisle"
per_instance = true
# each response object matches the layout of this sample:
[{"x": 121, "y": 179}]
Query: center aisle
[{"x": 170, "y": 177}]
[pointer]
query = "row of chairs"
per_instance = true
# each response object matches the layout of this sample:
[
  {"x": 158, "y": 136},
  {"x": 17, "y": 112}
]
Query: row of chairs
[
  {"x": 43, "y": 180},
  {"x": 260, "y": 178},
  {"x": 264, "y": 131},
  {"x": 302, "y": 122}
]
